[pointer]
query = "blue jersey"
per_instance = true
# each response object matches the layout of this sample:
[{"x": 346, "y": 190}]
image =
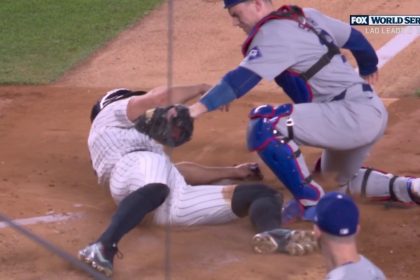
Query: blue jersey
[{"x": 363, "y": 269}]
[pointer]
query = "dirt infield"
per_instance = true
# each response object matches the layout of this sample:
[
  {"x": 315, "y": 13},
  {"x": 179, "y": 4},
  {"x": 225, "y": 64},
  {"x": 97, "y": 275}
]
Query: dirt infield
[{"x": 45, "y": 169}]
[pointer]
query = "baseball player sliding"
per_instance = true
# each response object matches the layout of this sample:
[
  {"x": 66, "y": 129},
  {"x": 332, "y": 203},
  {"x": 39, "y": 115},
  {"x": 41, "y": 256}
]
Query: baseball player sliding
[
  {"x": 334, "y": 108},
  {"x": 126, "y": 144}
]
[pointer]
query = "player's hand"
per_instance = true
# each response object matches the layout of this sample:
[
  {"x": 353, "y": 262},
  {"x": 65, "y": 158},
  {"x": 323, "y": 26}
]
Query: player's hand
[
  {"x": 249, "y": 171},
  {"x": 372, "y": 79},
  {"x": 197, "y": 109}
]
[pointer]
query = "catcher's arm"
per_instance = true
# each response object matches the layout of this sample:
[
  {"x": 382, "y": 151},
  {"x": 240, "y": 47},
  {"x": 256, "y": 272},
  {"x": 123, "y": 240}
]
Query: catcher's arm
[
  {"x": 182, "y": 94},
  {"x": 163, "y": 96}
]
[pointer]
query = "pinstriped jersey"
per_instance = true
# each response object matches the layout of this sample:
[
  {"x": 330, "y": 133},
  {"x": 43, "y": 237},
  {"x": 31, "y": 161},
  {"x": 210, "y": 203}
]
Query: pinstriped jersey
[{"x": 112, "y": 136}]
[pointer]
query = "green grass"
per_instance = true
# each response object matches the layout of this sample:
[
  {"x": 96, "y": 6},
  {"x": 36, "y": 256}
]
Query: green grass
[
  {"x": 41, "y": 39},
  {"x": 417, "y": 92}
]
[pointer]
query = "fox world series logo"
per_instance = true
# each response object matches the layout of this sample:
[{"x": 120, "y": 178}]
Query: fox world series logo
[{"x": 386, "y": 23}]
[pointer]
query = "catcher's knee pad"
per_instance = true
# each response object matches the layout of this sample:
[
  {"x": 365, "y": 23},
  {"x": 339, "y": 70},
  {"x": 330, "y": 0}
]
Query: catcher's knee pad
[
  {"x": 281, "y": 154},
  {"x": 245, "y": 194}
]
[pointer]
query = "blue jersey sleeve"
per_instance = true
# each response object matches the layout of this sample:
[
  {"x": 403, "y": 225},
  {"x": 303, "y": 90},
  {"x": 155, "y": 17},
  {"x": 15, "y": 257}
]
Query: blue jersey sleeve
[
  {"x": 363, "y": 52},
  {"x": 233, "y": 85}
]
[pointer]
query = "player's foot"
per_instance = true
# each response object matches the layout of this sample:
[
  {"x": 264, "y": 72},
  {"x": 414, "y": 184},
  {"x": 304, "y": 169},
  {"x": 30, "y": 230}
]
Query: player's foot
[
  {"x": 292, "y": 242},
  {"x": 414, "y": 190},
  {"x": 99, "y": 257},
  {"x": 294, "y": 211}
]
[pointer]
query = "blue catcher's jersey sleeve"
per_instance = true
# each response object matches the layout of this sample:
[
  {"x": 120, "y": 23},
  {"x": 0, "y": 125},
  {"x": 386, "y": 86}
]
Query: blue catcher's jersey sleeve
[
  {"x": 363, "y": 52},
  {"x": 234, "y": 84}
]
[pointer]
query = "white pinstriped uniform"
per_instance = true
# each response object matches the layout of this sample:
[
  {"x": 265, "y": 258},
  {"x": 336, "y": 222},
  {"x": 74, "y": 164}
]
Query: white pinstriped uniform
[{"x": 126, "y": 160}]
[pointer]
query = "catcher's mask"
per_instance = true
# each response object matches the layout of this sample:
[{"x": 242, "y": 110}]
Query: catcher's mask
[{"x": 112, "y": 96}]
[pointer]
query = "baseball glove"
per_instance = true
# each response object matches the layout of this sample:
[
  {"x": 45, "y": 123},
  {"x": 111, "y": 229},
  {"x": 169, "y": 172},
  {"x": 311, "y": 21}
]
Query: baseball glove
[{"x": 171, "y": 126}]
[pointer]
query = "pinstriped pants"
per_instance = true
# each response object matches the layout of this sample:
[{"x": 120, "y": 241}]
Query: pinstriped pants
[{"x": 185, "y": 205}]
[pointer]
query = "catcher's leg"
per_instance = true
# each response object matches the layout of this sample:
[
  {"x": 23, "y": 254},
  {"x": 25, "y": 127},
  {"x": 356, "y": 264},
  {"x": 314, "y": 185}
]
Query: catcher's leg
[
  {"x": 381, "y": 186},
  {"x": 282, "y": 154},
  {"x": 343, "y": 164},
  {"x": 368, "y": 182}
]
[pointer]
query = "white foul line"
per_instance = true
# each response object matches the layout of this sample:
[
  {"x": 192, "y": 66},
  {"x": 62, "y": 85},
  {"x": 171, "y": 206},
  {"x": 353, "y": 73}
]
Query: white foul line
[
  {"x": 397, "y": 44},
  {"x": 42, "y": 219}
]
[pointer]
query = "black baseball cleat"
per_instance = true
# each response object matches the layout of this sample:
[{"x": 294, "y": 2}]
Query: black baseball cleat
[
  {"x": 99, "y": 257},
  {"x": 292, "y": 242}
]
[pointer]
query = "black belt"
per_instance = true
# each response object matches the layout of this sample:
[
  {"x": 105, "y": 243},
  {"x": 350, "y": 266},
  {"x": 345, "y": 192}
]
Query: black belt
[{"x": 341, "y": 96}]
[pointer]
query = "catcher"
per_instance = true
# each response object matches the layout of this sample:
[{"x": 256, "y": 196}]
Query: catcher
[{"x": 126, "y": 143}]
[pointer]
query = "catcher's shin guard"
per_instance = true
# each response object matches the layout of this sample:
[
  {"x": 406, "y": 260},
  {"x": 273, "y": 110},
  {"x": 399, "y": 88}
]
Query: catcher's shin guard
[
  {"x": 281, "y": 154},
  {"x": 381, "y": 186}
]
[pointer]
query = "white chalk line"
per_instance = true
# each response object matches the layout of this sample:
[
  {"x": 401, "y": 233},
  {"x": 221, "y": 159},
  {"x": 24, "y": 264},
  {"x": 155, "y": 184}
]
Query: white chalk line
[
  {"x": 394, "y": 46},
  {"x": 385, "y": 54},
  {"x": 52, "y": 218},
  {"x": 397, "y": 44}
]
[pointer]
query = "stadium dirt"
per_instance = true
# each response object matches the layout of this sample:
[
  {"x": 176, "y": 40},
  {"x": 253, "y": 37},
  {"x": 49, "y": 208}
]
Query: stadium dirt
[{"x": 45, "y": 168}]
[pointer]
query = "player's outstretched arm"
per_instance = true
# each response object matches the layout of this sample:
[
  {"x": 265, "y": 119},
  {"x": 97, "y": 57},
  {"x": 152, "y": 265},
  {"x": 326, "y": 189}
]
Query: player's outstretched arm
[
  {"x": 233, "y": 85},
  {"x": 196, "y": 174},
  {"x": 183, "y": 94}
]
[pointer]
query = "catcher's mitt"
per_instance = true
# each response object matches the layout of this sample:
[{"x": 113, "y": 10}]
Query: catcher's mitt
[{"x": 171, "y": 126}]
